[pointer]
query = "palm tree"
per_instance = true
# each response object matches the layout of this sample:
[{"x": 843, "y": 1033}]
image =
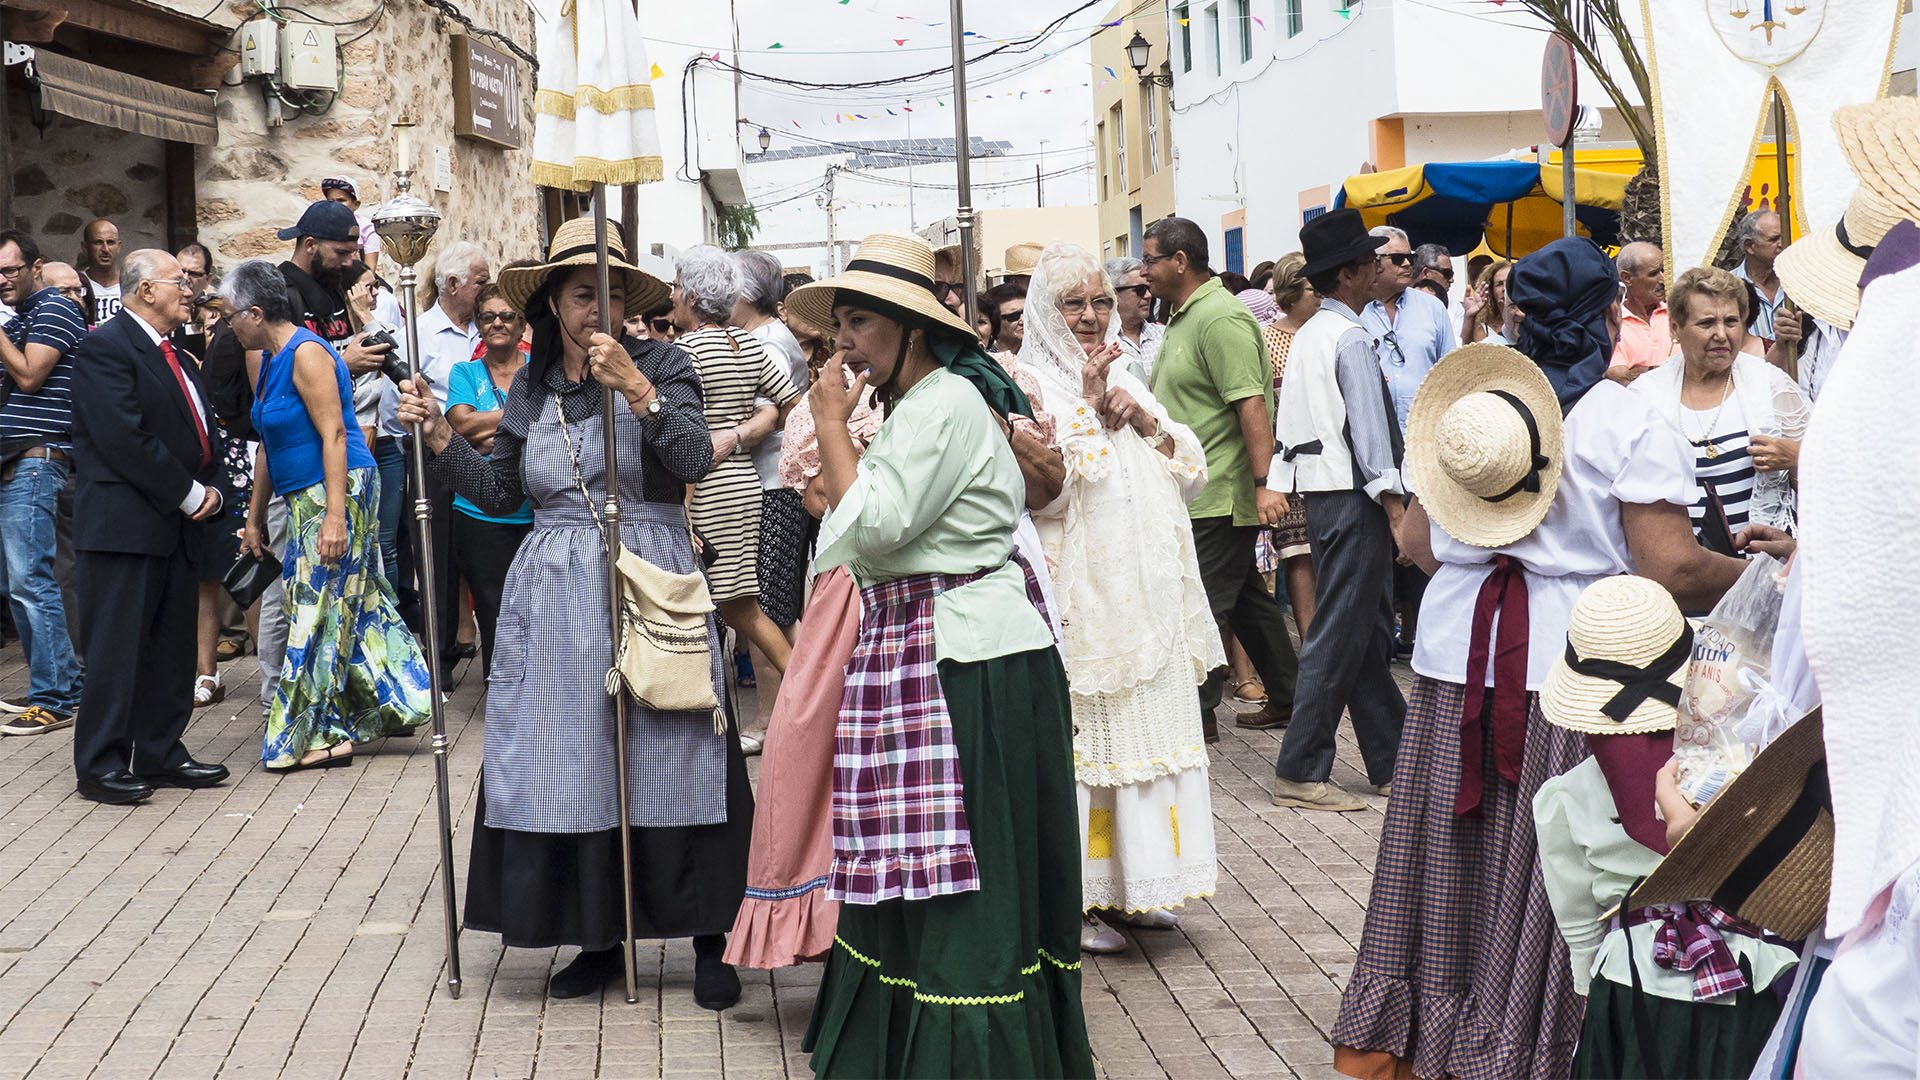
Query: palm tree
[{"x": 1584, "y": 22}]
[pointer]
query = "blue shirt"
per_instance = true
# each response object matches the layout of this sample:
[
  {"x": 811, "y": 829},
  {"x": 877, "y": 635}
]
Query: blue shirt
[
  {"x": 280, "y": 416},
  {"x": 469, "y": 384},
  {"x": 49, "y": 319},
  {"x": 1408, "y": 347},
  {"x": 1766, "y": 311}
]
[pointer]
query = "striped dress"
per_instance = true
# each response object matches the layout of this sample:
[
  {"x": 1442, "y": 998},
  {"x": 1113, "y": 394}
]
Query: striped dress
[
  {"x": 1729, "y": 469},
  {"x": 734, "y": 368}
]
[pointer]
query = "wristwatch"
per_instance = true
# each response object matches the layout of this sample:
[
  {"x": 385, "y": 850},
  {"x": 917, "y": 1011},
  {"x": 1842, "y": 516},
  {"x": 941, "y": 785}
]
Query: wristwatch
[
  {"x": 653, "y": 406},
  {"x": 1158, "y": 439}
]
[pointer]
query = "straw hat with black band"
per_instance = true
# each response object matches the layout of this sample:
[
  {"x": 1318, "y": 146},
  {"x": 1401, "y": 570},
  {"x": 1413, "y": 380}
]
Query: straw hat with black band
[
  {"x": 1484, "y": 445},
  {"x": 1881, "y": 141},
  {"x": 1763, "y": 848},
  {"x": 892, "y": 275},
  {"x": 1625, "y": 663},
  {"x": 1821, "y": 271},
  {"x": 573, "y": 246}
]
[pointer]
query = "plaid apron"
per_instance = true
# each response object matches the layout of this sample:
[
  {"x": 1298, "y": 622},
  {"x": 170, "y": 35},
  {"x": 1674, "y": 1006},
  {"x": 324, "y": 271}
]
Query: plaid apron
[{"x": 899, "y": 815}]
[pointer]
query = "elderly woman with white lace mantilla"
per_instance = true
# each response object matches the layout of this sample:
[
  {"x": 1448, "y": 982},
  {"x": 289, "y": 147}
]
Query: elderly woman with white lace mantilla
[{"x": 1137, "y": 633}]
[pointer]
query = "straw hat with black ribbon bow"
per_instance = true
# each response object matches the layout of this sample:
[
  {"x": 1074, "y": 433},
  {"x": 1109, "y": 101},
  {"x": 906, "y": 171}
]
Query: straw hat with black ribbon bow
[
  {"x": 1484, "y": 445},
  {"x": 1625, "y": 663},
  {"x": 573, "y": 246},
  {"x": 1821, "y": 270},
  {"x": 1763, "y": 848},
  {"x": 894, "y": 267}
]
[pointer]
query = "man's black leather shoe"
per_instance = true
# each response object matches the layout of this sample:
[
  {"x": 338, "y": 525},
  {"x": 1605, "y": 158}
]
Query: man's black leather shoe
[
  {"x": 120, "y": 788},
  {"x": 194, "y": 774}
]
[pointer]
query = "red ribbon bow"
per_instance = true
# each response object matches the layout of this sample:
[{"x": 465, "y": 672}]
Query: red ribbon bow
[{"x": 1505, "y": 592}]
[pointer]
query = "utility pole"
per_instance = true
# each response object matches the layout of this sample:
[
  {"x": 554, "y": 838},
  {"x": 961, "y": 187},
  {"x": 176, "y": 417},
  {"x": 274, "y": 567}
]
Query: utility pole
[
  {"x": 833, "y": 245},
  {"x": 913, "y": 223},
  {"x": 1039, "y": 188},
  {"x": 961, "y": 166}
]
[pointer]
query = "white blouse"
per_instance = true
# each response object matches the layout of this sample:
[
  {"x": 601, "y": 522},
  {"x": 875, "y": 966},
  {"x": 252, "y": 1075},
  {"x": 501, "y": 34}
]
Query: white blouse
[{"x": 1617, "y": 450}]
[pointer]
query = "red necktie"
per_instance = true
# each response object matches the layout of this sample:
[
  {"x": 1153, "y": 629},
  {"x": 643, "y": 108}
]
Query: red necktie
[{"x": 199, "y": 425}]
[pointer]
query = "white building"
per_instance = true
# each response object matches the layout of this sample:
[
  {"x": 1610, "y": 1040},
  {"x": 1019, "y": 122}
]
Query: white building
[
  {"x": 1277, "y": 102},
  {"x": 702, "y": 170}
]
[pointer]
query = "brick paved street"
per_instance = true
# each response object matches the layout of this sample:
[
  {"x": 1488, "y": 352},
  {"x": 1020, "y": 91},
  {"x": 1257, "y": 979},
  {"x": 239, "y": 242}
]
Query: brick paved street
[{"x": 290, "y": 926}]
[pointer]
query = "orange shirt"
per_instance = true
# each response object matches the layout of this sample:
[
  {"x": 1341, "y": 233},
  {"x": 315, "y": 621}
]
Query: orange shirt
[{"x": 1644, "y": 343}]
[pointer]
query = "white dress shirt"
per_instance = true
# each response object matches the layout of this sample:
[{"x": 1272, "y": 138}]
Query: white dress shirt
[
  {"x": 442, "y": 345},
  {"x": 196, "y": 494}
]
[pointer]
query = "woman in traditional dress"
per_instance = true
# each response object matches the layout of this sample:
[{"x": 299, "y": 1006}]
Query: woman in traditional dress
[
  {"x": 1139, "y": 636},
  {"x": 546, "y": 866},
  {"x": 1461, "y": 971},
  {"x": 734, "y": 368},
  {"x": 955, "y": 850},
  {"x": 352, "y": 670}
]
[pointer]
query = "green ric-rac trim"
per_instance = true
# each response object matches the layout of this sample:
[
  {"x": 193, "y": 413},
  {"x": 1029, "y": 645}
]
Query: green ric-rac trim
[{"x": 936, "y": 999}]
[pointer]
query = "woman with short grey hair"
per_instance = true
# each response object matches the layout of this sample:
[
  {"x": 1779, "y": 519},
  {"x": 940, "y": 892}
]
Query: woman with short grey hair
[
  {"x": 352, "y": 672},
  {"x": 735, "y": 368},
  {"x": 786, "y": 529}
]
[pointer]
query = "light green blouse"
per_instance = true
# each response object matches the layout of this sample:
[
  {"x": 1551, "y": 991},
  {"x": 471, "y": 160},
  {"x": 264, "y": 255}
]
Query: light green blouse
[
  {"x": 1589, "y": 864},
  {"x": 938, "y": 491}
]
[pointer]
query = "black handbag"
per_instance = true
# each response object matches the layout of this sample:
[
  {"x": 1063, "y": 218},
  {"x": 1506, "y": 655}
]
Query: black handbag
[{"x": 249, "y": 576}]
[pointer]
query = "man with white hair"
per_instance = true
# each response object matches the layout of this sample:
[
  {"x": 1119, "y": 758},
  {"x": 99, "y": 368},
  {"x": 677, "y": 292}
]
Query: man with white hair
[
  {"x": 448, "y": 336},
  {"x": 1644, "y": 339},
  {"x": 1411, "y": 330},
  {"x": 1132, "y": 327}
]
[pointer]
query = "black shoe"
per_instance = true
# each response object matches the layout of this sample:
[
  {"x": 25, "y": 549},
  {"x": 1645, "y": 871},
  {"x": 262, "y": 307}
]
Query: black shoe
[
  {"x": 194, "y": 774},
  {"x": 589, "y": 972},
  {"x": 716, "y": 985},
  {"x": 118, "y": 788},
  {"x": 465, "y": 650}
]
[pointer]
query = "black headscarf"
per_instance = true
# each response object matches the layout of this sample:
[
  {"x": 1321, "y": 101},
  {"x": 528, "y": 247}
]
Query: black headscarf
[
  {"x": 1565, "y": 289},
  {"x": 956, "y": 350}
]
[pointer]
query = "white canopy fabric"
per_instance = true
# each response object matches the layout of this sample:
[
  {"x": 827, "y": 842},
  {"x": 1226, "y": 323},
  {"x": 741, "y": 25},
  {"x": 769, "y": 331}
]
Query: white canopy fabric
[{"x": 593, "y": 113}]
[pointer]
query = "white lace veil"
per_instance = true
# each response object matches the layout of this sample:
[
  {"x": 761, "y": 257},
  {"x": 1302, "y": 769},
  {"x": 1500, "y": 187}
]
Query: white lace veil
[{"x": 1049, "y": 347}]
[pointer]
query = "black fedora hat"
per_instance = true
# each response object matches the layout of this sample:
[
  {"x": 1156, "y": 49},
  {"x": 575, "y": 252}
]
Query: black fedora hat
[{"x": 1336, "y": 238}]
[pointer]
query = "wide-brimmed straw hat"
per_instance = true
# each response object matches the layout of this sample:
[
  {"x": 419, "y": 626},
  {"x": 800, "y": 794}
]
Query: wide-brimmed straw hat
[
  {"x": 573, "y": 246},
  {"x": 1020, "y": 260},
  {"x": 1881, "y": 141},
  {"x": 896, "y": 268},
  {"x": 1484, "y": 444},
  {"x": 1625, "y": 661},
  {"x": 1821, "y": 270},
  {"x": 1763, "y": 848}
]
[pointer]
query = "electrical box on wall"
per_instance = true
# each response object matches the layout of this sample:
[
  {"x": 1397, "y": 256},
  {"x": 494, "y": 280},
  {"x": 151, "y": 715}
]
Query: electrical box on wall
[
  {"x": 308, "y": 57},
  {"x": 260, "y": 48}
]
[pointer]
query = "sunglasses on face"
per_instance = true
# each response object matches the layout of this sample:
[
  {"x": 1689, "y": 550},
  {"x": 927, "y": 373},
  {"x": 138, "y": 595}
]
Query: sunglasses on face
[
  {"x": 944, "y": 289},
  {"x": 1013, "y": 316},
  {"x": 1137, "y": 290},
  {"x": 1445, "y": 275},
  {"x": 661, "y": 326},
  {"x": 506, "y": 317},
  {"x": 1403, "y": 258}
]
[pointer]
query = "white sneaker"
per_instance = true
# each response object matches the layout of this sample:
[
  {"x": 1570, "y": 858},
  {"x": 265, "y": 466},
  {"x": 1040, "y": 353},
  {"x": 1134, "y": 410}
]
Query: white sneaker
[
  {"x": 1156, "y": 919},
  {"x": 1314, "y": 796},
  {"x": 750, "y": 745},
  {"x": 1098, "y": 937},
  {"x": 13, "y": 708}
]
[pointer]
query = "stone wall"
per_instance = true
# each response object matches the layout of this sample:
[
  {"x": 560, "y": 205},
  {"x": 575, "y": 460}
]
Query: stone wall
[
  {"x": 258, "y": 178},
  {"x": 69, "y": 173}
]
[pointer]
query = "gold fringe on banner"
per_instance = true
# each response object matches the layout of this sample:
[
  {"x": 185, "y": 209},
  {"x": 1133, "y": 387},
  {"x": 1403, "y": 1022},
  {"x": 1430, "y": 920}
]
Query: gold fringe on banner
[
  {"x": 632, "y": 98},
  {"x": 584, "y": 172}
]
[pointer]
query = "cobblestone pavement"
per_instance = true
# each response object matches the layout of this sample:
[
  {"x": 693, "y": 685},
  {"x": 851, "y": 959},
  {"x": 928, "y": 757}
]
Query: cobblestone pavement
[{"x": 290, "y": 926}]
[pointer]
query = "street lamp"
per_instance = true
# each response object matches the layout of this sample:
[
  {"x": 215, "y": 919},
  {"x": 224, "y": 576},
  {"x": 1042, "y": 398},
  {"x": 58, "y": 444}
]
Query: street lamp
[
  {"x": 1139, "y": 51},
  {"x": 766, "y": 140}
]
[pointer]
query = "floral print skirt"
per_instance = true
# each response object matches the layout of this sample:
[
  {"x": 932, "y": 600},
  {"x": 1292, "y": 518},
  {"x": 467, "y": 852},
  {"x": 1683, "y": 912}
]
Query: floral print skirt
[{"x": 353, "y": 670}]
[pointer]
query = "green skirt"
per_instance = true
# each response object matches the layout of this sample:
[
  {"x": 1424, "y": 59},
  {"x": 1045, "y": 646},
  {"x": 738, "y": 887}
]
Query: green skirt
[
  {"x": 983, "y": 983},
  {"x": 1695, "y": 1041}
]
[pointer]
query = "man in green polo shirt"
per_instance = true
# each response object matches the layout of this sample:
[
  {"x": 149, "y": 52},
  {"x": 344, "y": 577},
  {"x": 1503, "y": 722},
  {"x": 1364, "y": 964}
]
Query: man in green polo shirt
[{"x": 1213, "y": 375}]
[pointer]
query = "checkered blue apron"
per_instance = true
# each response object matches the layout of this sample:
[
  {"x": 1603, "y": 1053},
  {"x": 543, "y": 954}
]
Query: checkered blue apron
[{"x": 549, "y": 741}]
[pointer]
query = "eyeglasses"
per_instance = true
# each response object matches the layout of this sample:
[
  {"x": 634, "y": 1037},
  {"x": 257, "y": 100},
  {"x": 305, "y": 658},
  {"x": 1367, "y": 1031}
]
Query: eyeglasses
[
  {"x": 1399, "y": 258},
  {"x": 1138, "y": 290},
  {"x": 1075, "y": 306},
  {"x": 184, "y": 284},
  {"x": 1149, "y": 260},
  {"x": 661, "y": 326},
  {"x": 1446, "y": 275},
  {"x": 507, "y": 317},
  {"x": 12, "y": 271},
  {"x": 73, "y": 292},
  {"x": 196, "y": 273},
  {"x": 1013, "y": 316},
  {"x": 944, "y": 289}
]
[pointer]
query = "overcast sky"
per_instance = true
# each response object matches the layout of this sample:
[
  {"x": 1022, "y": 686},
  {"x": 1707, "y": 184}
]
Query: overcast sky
[{"x": 830, "y": 41}]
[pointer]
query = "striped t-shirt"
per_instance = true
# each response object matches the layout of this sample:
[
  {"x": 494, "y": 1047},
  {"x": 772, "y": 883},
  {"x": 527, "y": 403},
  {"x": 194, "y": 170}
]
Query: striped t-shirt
[
  {"x": 45, "y": 415},
  {"x": 1729, "y": 470}
]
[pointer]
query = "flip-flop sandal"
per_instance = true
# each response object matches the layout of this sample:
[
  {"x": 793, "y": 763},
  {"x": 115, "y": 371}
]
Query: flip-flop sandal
[
  {"x": 1238, "y": 696},
  {"x": 331, "y": 761}
]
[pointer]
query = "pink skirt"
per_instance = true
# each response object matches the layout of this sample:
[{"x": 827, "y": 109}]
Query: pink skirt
[{"x": 786, "y": 917}]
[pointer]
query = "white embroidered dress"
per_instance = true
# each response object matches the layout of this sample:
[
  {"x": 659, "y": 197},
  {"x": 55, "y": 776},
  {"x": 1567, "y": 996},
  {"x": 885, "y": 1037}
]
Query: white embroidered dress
[{"x": 1137, "y": 634}]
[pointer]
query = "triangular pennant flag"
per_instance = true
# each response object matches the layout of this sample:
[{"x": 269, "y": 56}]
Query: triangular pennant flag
[
  {"x": 776, "y": 45},
  {"x": 655, "y": 73},
  {"x": 899, "y": 41},
  {"x": 890, "y": 112},
  {"x": 1257, "y": 19},
  {"x": 908, "y": 108},
  {"x": 1110, "y": 74}
]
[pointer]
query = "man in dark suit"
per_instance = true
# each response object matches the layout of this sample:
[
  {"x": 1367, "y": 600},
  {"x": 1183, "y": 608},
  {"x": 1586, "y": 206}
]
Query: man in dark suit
[{"x": 148, "y": 458}]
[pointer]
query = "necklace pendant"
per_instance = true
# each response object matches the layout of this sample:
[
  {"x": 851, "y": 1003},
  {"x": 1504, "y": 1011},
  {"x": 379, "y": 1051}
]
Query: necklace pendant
[{"x": 1713, "y": 451}]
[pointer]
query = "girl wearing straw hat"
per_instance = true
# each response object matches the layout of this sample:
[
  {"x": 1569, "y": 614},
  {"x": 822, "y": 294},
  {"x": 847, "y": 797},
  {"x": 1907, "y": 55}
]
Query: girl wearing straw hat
[
  {"x": 1533, "y": 478},
  {"x": 1139, "y": 634},
  {"x": 545, "y": 869},
  {"x": 955, "y": 854},
  {"x": 1676, "y": 988}
]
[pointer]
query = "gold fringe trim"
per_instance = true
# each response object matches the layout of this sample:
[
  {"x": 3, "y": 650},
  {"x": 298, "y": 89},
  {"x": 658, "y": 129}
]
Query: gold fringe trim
[
  {"x": 585, "y": 172},
  {"x": 631, "y": 98}
]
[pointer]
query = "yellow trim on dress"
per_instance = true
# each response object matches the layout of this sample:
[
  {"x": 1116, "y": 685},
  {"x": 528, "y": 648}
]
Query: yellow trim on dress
[
  {"x": 584, "y": 172},
  {"x": 629, "y": 98}
]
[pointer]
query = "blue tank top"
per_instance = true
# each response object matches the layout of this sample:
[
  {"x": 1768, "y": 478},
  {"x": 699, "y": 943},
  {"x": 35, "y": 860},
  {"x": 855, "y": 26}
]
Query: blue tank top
[{"x": 287, "y": 432}]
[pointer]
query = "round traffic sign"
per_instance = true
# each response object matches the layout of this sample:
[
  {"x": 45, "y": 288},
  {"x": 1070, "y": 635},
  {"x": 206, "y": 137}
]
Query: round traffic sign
[{"x": 1559, "y": 89}]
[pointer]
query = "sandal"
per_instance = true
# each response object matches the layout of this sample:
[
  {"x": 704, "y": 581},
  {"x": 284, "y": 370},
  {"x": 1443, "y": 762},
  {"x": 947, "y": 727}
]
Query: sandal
[
  {"x": 1243, "y": 698},
  {"x": 208, "y": 690},
  {"x": 331, "y": 761},
  {"x": 231, "y": 649}
]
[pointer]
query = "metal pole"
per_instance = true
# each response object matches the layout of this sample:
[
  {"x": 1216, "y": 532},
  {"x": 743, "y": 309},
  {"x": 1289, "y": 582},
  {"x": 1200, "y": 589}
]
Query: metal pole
[
  {"x": 1782, "y": 202},
  {"x": 961, "y": 166},
  {"x": 833, "y": 243},
  {"x": 1568, "y": 201},
  {"x": 913, "y": 221},
  {"x": 612, "y": 518}
]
